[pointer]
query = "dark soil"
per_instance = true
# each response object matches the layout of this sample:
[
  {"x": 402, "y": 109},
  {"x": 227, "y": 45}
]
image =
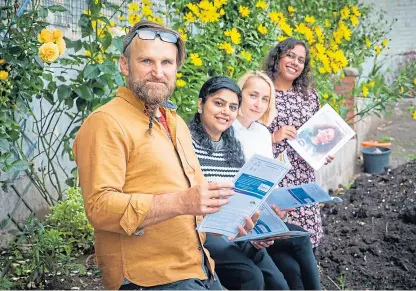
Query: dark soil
[{"x": 370, "y": 239}]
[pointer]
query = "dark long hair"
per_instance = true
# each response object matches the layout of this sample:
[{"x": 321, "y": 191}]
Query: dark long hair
[
  {"x": 272, "y": 62},
  {"x": 234, "y": 153}
]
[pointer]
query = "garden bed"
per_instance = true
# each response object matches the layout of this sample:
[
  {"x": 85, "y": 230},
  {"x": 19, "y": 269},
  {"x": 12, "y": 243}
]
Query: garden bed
[{"x": 370, "y": 239}]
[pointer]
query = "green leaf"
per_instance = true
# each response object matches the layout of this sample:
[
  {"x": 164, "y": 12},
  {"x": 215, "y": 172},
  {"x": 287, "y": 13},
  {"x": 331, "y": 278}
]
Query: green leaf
[
  {"x": 84, "y": 92},
  {"x": 18, "y": 166},
  {"x": 86, "y": 26},
  {"x": 91, "y": 71},
  {"x": 64, "y": 92},
  {"x": 57, "y": 8},
  {"x": 107, "y": 39},
  {"x": 119, "y": 80},
  {"x": 118, "y": 43},
  {"x": 4, "y": 144},
  {"x": 105, "y": 20},
  {"x": 107, "y": 68}
]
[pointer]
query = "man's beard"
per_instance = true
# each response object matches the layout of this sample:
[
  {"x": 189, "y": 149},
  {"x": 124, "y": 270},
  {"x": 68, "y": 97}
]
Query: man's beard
[{"x": 153, "y": 95}]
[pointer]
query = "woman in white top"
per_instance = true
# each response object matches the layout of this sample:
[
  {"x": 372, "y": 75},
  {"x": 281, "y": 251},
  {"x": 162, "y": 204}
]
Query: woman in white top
[{"x": 294, "y": 257}]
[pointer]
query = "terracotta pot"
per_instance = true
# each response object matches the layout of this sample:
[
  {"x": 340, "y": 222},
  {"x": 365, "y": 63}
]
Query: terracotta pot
[{"x": 374, "y": 143}]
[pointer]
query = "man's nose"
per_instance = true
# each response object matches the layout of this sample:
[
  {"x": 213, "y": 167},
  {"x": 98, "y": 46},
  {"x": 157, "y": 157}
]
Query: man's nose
[{"x": 157, "y": 71}]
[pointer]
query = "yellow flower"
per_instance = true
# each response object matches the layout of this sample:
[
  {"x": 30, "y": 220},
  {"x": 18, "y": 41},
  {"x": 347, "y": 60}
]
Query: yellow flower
[
  {"x": 281, "y": 38},
  {"x": 146, "y": 2},
  {"x": 365, "y": 91},
  {"x": 86, "y": 12},
  {"x": 61, "y": 46},
  {"x": 378, "y": 49},
  {"x": 414, "y": 115},
  {"x": 384, "y": 42},
  {"x": 133, "y": 18},
  {"x": 133, "y": 7},
  {"x": 196, "y": 60},
  {"x": 322, "y": 70},
  {"x": 327, "y": 23},
  {"x": 146, "y": 11},
  {"x": 122, "y": 18},
  {"x": 291, "y": 9},
  {"x": 345, "y": 12},
  {"x": 234, "y": 34},
  {"x": 156, "y": 19},
  {"x": 262, "y": 29},
  {"x": 189, "y": 17},
  {"x": 355, "y": 11},
  {"x": 4, "y": 75},
  {"x": 276, "y": 17},
  {"x": 371, "y": 84},
  {"x": 367, "y": 43},
  {"x": 227, "y": 47},
  {"x": 87, "y": 53},
  {"x": 285, "y": 28},
  {"x": 57, "y": 34},
  {"x": 112, "y": 24},
  {"x": 231, "y": 70},
  {"x": 194, "y": 8},
  {"x": 309, "y": 19},
  {"x": 2, "y": 61},
  {"x": 45, "y": 36},
  {"x": 178, "y": 75},
  {"x": 180, "y": 83},
  {"x": 219, "y": 3},
  {"x": 261, "y": 4},
  {"x": 246, "y": 55},
  {"x": 354, "y": 20},
  {"x": 182, "y": 33},
  {"x": 244, "y": 11},
  {"x": 325, "y": 96},
  {"x": 401, "y": 89},
  {"x": 99, "y": 59},
  {"x": 222, "y": 12},
  {"x": 414, "y": 81},
  {"x": 49, "y": 52}
]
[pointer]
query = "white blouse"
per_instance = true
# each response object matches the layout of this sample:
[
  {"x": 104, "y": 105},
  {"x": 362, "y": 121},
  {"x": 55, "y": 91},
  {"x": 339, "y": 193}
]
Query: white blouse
[{"x": 255, "y": 140}]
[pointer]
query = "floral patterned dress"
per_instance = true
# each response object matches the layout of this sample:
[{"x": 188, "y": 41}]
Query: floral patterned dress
[{"x": 293, "y": 109}]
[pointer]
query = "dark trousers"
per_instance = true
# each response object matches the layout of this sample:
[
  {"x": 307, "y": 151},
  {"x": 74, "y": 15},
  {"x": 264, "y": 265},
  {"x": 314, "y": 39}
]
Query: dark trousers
[
  {"x": 295, "y": 259},
  {"x": 189, "y": 284},
  {"x": 240, "y": 266}
]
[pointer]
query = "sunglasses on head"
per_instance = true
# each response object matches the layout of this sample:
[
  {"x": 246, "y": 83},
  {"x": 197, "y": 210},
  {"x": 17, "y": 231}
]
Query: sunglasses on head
[{"x": 151, "y": 34}]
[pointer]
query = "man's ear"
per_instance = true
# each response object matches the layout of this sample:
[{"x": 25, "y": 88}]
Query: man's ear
[
  {"x": 124, "y": 65},
  {"x": 200, "y": 105}
]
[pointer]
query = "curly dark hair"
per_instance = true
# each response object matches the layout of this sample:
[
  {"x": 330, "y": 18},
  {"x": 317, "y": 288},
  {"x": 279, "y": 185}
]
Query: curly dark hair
[
  {"x": 271, "y": 64},
  {"x": 234, "y": 151},
  {"x": 338, "y": 135}
]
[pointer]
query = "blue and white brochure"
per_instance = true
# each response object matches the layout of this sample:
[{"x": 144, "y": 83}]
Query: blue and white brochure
[
  {"x": 252, "y": 185},
  {"x": 269, "y": 227},
  {"x": 297, "y": 196}
]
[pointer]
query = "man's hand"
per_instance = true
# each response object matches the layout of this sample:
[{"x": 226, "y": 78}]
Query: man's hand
[
  {"x": 281, "y": 213},
  {"x": 260, "y": 244},
  {"x": 286, "y": 132},
  {"x": 329, "y": 160},
  {"x": 206, "y": 199},
  {"x": 248, "y": 226}
]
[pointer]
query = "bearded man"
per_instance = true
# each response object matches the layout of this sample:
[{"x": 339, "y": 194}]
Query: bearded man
[{"x": 143, "y": 189}]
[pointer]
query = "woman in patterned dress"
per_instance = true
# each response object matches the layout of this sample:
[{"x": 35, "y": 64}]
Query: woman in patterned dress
[{"x": 288, "y": 64}]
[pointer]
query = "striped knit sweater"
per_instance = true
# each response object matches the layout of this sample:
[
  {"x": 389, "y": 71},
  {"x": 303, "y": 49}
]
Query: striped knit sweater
[{"x": 214, "y": 166}]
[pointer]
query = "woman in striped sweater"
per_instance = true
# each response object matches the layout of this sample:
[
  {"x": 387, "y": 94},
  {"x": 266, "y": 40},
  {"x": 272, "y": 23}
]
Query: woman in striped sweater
[{"x": 240, "y": 266}]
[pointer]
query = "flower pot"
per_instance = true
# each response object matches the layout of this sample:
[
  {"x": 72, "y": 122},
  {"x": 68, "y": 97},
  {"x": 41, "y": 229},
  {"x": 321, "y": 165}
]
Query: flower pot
[
  {"x": 374, "y": 143},
  {"x": 376, "y": 159}
]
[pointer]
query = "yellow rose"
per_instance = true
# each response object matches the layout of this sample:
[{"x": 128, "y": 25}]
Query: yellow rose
[
  {"x": 57, "y": 34},
  {"x": 45, "y": 36},
  {"x": 49, "y": 52},
  {"x": 4, "y": 75},
  {"x": 61, "y": 46}
]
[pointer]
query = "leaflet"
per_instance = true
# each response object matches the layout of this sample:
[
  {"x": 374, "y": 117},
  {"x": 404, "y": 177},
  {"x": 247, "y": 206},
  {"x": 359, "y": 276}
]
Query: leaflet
[
  {"x": 321, "y": 136},
  {"x": 269, "y": 227},
  {"x": 252, "y": 185},
  {"x": 297, "y": 196}
]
